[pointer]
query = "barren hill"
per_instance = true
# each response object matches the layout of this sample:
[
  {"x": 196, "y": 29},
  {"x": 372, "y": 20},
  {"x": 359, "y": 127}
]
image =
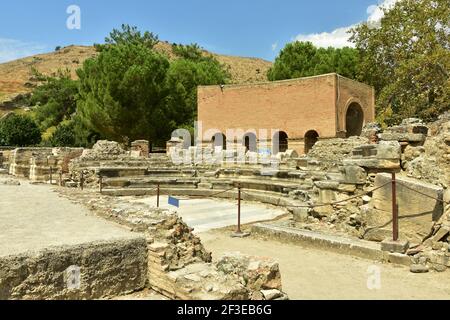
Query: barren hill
[{"x": 16, "y": 76}]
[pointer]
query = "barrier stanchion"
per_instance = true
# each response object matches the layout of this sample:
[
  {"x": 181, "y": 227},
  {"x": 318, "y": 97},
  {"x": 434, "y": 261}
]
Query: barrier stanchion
[
  {"x": 157, "y": 195},
  {"x": 239, "y": 233},
  {"x": 101, "y": 183},
  {"x": 60, "y": 179},
  {"x": 51, "y": 175},
  {"x": 394, "y": 209},
  {"x": 82, "y": 180}
]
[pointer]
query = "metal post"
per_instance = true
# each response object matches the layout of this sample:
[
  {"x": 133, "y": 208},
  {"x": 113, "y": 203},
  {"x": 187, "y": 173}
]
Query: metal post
[
  {"x": 60, "y": 179},
  {"x": 394, "y": 209},
  {"x": 157, "y": 193},
  {"x": 51, "y": 175},
  {"x": 239, "y": 211},
  {"x": 101, "y": 183},
  {"x": 82, "y": 180}
]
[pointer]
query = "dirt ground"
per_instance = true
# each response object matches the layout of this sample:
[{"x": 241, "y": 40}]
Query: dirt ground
[{"x": 315, "y": 274}]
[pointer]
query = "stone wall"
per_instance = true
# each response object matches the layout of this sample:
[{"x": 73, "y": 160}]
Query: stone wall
[
  {"x": 293, "y": 106},
  {"x": 107, "y": 269}
]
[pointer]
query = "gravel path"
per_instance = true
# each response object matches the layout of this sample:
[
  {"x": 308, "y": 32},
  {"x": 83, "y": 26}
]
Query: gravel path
[{"x": 315, "y": 274}]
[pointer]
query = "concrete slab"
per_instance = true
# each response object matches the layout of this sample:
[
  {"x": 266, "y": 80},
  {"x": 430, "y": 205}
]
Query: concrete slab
[
  {"x": 51, "y": 248},
  {"x": 34, "y": 218},
  {"x": 207, "y": 214}
]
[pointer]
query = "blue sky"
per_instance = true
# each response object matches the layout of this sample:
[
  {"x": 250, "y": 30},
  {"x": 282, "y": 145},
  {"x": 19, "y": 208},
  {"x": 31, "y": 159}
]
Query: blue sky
[{"x": 256, "y": 28}]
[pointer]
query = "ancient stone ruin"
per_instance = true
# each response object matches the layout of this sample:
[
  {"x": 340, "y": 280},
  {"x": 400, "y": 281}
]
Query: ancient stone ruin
[{"x": 341, "y": 187}]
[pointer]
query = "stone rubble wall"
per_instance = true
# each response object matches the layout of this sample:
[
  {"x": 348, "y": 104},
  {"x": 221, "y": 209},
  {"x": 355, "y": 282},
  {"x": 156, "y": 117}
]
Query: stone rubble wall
[
  {"x": 179, "y": 266},
  {"x": 108, "y": 269}
]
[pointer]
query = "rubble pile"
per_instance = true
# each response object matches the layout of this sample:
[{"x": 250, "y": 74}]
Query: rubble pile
[
  {"x": 335, "y": 150},
  {"x": 431, "y": 162},
  {"x": 104, "y": 150},
  {"x": 179, "y": 265}
]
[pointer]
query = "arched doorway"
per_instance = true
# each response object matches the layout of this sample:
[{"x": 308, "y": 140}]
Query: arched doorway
[
  {"x": 280, "y": 142},
  {"x": 219, "y": 140},
  {"x": 311, "y": 138},
  {"x": 354, "y": 120},
  {"x": 250, "y": 142}
]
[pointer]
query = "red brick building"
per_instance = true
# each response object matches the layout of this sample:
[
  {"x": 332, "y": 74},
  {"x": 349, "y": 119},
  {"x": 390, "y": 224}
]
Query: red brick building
[{"x": 295, "y": 113}]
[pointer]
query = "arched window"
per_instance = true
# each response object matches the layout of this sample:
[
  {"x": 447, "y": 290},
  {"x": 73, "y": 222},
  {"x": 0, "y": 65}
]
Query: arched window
[
  {"x": 311, "y": 138},
  {"x": 219, "y": 140},
  {"x": 354, "y": 120},
  {"x": 250, "y": 142},
  {"x": 280, "y": 142}
]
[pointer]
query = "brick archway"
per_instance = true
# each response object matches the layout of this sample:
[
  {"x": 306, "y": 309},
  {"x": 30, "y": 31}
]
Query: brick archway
[
  {"x": 219, "y": 140},
  {"x": 354, "y": 120},
  {"x": 280, "y": 142},
  {"x": 311, "y": 138},
  {"x": 250, "y": 142}
]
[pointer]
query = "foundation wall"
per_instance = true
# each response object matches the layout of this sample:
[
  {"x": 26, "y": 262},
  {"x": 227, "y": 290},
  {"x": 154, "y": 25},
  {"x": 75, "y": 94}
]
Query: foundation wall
[{"x": 106, "y": 269}]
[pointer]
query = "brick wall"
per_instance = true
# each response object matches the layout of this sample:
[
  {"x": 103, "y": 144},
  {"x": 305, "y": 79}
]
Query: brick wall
[{"x": 294, "y": 106}]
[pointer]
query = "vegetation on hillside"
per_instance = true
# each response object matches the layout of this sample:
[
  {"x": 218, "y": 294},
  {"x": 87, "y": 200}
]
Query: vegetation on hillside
[{"x": 132, "y": 90}]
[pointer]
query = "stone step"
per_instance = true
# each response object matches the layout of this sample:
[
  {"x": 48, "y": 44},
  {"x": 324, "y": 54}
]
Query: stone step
[
  {"x": 354, "y": 247},
  {"x": 148, "y": 182}
]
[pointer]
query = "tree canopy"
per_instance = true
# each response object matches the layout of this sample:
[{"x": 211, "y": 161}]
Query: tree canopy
[
  {"x": 19, "y": 131},
  {"x": 55, "y": 99},
  {"x": 406, "y": 58},
  {"x": 303, "y": 59},
  {"x": 130, "y": 91},
  {"x": 129, "y": 35}
]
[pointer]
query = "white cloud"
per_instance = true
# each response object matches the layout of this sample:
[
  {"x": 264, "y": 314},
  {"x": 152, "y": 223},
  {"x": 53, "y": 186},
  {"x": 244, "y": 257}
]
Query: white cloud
[
  {"x": 14, "y": 49},
  {"x": 339, "y": 37}
]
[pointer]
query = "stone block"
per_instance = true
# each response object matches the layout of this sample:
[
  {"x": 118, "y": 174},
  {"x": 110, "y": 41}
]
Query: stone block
[
  {"x": 330, "y": 185},
  {"x": 416, "y": 211},
  {"x": 377, "y": 234},
  {"x": 440, "y": 234},
  {"x": 399, "y": 258},
  {"x": 419, "y": 268},
  {"x": 354, "y": 174},
  {"x": 399, "y": 246},
  {"x": 300, "y": 214}
]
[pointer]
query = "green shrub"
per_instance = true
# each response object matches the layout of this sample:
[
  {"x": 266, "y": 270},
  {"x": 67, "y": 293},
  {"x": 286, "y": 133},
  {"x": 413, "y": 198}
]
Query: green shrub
[{"x": 19, "y": 131}]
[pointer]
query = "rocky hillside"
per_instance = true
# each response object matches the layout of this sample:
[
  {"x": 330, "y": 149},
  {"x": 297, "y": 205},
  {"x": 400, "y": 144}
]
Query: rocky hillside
[{"x": 16, "y": 76}]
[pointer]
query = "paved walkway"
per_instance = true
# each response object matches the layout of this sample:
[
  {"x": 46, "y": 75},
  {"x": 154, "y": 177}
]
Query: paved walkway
[
  {"x": 33, "y": 217},
  {"x": 207, "y": 214},
  {"x": 309, "y": 273}
]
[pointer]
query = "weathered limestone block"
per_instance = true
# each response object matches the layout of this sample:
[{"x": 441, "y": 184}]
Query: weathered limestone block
[
  {"x": 104, "y": 150},
  {"x": 371, "y": 131},
  {"x": 174, "y": 143},
  {"x": 411, "y": 130},
  {"x": 416, "y": 211},
  {"x": 21, "y": 157},
  {"x": 385, "y": 155},
  {"x": 300, "y": 214},
  {"x": 142, "y": 147},
  {"x": 258, "y": 273},
  {"x": 354, "y": 175},
  {"x": 106, "y": 269}
]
